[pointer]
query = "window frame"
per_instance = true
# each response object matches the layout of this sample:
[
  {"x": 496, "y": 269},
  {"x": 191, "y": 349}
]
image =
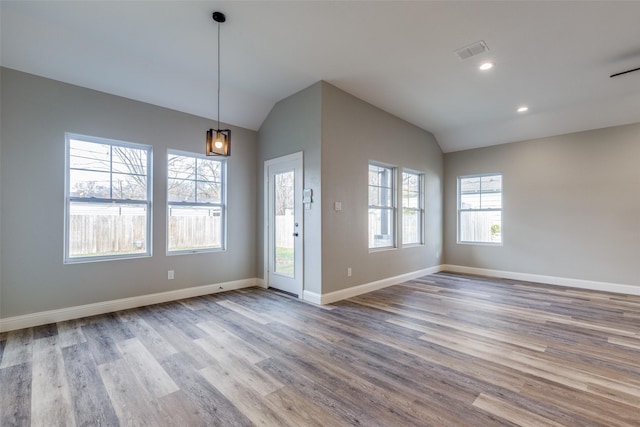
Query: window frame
[
  {"x": 460, "y": 210},
  {"x": 148, "y": 203},
  {"x": 419, "y": 209},
  {"x": 222, "y": 205},
  {"x": 391, "y": 209}
]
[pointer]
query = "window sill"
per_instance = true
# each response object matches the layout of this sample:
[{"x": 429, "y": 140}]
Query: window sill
[
  {"x": 413, "y": 245},
  {"x": 480, "y": 243},
  {"x": 84, "y": 260},
  {"x": 385, "y": 249},
  {"x": 195, "y": 251}
]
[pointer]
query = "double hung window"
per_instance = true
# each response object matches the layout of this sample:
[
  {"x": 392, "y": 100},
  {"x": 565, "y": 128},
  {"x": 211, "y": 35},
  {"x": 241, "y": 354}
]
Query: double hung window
[
  {"x": 381, "y": 206},
  {"x": 108, "y": 199},
  {"x": 412, "y": 208},
  {"x": 480, "y": 209},
  {"x": 196, "y": 203}
]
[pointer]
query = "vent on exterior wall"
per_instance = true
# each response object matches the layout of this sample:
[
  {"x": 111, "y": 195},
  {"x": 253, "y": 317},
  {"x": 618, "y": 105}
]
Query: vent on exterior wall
[{"x": 471, "y": 50}]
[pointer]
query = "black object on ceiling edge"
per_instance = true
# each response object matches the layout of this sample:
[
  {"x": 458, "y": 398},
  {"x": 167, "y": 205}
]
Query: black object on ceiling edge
[
  {"x": 219, "y": 17},
  {"x": 624, "y": 72}
]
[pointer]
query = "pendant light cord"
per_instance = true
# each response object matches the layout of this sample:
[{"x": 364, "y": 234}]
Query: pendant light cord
[{"x": 218, "y": 76}]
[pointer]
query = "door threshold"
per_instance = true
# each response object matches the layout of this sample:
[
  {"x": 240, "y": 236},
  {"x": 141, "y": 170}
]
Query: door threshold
[{"x": 280, "y": 291}]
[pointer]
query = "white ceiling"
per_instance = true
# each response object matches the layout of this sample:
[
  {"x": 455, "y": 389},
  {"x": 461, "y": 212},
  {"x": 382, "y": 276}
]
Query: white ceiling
[{"x": 555, "y": 57}]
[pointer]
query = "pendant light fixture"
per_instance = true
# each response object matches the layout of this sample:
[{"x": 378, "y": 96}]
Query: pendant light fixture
[{"x": 219, "y": 140}]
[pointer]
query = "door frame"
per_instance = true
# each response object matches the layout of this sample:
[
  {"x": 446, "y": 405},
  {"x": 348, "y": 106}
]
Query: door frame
[{"x": 297, "y": 157}]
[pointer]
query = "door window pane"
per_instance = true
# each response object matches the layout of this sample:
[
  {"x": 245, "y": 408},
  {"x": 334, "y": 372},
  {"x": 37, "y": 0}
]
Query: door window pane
[{"x": 284, "y": 193}]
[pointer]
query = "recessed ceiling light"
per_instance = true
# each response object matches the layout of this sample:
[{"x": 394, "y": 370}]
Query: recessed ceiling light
[
  {"x": 523, "y": 109},
  {"x": 486, "y": 66}
]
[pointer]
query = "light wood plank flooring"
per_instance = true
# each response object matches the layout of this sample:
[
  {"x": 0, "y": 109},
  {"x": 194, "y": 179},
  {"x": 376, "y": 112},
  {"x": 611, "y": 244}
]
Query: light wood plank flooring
[{"x": 443, "y": 350}]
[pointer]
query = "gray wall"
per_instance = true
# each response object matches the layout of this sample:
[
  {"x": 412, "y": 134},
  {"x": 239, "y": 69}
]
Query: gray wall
[
  {"x": 571, "y": 206},
  {"x": 1, "y": 132},
  {"x": 293, "y": 125},
  {"x": 339, "y": 134},
  {"x": 36, "y": 113},
  {"x": 353, "y": 133}
]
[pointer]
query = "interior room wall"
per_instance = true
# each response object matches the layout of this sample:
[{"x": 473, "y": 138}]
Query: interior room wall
[
  {"x": 354, "y": 133},
  {"x": 0, "y": 194},
  {"x": 293, "y": 125},
  {"x": 571, "y": 206},
  {"x": 35, "y": 115}
]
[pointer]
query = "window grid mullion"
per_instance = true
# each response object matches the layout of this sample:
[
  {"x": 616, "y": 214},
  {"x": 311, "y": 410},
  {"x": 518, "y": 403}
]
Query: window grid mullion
[
  {"x": 195, "y": 174},
  {"x": 97, "y": 200},
  {"x": 196, "y": 204},
  {"x": 111, "y": 171},
  {"x": 481, "y": 210}
]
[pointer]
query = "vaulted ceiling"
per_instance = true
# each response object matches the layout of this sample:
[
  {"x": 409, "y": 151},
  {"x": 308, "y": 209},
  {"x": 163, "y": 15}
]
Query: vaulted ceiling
[{"x": 554, "y": 57}]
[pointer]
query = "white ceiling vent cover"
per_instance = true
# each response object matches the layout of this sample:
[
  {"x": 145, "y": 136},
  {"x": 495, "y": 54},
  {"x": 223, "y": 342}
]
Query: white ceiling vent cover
[{"x": 471, "y": 50}]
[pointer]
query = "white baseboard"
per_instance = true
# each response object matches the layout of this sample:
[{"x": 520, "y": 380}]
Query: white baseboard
[
  {"x": 60, "y": 315},
  {"x": 53, "y": 316},
  {"x": 368, "y": 287},
  {"x": 312, "y": 297},
  {"x": 618, "y": 288},
  {"x": 331, "y": 297}
]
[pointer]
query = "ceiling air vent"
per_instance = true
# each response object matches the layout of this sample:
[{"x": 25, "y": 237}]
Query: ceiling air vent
[{"x": 471, "y": 50}]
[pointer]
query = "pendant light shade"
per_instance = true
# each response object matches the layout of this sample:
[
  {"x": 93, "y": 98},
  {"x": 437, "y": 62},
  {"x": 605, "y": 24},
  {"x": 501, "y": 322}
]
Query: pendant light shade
[{"x": 218, "y": 140}]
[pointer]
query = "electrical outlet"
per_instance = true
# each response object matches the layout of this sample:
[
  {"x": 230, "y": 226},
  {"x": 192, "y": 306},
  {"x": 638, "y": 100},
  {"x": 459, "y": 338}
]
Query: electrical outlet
[
  {"x": 349, "y": 272},
  {"x": 170, "y": 275}
]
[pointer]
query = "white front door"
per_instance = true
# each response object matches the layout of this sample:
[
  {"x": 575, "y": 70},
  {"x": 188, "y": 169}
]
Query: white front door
[{"x": 283, "y": 212}]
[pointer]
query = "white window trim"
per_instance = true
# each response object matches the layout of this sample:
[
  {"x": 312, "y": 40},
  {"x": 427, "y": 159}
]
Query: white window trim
[
  {"x": 460, "y": 210},
  {"x": 222, "y": 205},
  {"x": 392, "y": 209},
  {"x": 420, "y": 209},
  {"x": 68, "y": 199}
]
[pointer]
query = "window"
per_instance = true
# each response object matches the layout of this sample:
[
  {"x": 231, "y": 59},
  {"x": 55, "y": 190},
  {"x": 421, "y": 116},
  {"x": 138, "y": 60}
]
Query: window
[
  {"x": 195, "y": 203},
  {"x": 480, "y": 209},
  {"x": 381, "y": 206},
  {"x": 108, "y": 199},
  {"x": 412, "y": 209}
]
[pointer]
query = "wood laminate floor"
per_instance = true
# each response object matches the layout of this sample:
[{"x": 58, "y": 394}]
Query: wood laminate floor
[{"x": 443, "y": 350}]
